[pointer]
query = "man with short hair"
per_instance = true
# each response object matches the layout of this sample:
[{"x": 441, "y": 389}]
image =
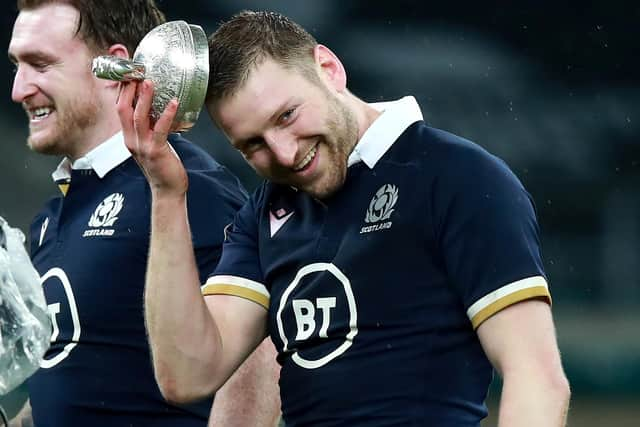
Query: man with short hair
[
  {"x": 90, "y": 243},
  {"x": 393, "y": 264}
]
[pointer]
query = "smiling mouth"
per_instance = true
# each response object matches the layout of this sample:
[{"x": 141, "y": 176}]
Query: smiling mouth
[
  {"x": 40, "y": 113},
  {"x": 307, "y": 159}
]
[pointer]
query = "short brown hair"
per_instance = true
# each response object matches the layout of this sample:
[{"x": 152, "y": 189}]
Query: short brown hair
[
  {"x": 106, "y": 22},
  {"x": 246, "y": 40}
]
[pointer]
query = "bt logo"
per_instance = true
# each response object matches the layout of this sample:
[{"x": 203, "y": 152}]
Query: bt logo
[
  {"x": 57, "y": 277},
  {"x": 305, "y": 313},
  {"x": 315, "y": 316}
]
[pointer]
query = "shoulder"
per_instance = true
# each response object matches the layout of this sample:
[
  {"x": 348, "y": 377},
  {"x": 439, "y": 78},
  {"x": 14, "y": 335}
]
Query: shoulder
[
  {"x": 193, "y": 156},
  {"x": 206, "y": 175},
  {"x": 259, "y": 198},
  {"x": 447, "y": 164},
  {"x": 264, "y": 197},
  {"x": 439, "y": 145},
  {"x": 463, "y": 164}
]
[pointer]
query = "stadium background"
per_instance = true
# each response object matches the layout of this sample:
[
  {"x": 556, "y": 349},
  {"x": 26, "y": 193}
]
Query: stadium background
[{"x": 552, "y": 88}]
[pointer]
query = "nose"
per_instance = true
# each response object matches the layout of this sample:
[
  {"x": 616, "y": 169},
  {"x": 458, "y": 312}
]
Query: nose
[
  {"x": 23, "y": 86},
  {"x": 283, "y": 146}
]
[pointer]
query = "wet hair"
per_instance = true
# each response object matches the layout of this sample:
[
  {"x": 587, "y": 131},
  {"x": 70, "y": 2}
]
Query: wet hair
[
  {"x": 104, "y": 23},
  {"x": 243, "y": 42}
]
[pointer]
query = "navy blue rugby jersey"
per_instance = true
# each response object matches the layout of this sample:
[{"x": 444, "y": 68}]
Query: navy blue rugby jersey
[
  {"x": 90, "y": 248},
  {"x": 374, "y": 294}
]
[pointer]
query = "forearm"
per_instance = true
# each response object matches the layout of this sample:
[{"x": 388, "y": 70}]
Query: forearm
[
  {"x": 251, "y": 397},
  {"x": 531, "y": 399},
  {"x": 520, "y": 342},
  {"x": 184, "y": 339}
]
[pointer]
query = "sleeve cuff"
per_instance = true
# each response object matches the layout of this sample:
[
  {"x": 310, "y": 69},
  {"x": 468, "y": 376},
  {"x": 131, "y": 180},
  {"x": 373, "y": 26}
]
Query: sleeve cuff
[
  {"x": 237, "y": 286},
  {"x": 521, "y": 290}
]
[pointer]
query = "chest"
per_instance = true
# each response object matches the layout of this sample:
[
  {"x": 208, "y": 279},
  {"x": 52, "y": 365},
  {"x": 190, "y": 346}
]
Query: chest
[
  {"x": 90, "y": 250},
  {"x": 349, "y": 257}
]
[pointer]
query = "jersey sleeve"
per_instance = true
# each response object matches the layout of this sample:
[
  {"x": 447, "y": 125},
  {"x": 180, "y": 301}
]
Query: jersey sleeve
[
  {"x": 214, "y": 196},
  {"x": 212, "y": 202},
  {"x": 489, "y": 236},
  {"x": 239, "y": 273}
]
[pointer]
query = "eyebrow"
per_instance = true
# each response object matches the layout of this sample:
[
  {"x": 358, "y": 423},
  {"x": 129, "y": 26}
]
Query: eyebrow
[{"x": 31, "y": 57}]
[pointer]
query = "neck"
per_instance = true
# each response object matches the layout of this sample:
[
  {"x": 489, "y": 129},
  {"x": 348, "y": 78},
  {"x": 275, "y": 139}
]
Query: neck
[
  {"x": 104, "y": 122},
  {"x": 365, "y": 115},
  {"x": 107, "y": 124}
]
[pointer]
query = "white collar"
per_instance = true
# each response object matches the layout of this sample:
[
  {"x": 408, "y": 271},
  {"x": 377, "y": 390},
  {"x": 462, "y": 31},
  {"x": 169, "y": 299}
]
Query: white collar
[
  {"x": 396, "y": 117},
  {"x": 102, "y": 159}
]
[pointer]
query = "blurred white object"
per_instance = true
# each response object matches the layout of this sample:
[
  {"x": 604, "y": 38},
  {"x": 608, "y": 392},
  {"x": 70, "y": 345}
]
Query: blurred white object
[{"x": 25, "y": 327}]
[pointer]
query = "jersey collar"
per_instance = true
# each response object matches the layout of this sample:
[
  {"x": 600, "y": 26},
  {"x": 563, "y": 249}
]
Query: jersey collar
[
  {"x": 102, "y": 159},
  {"x": 396, "y": 117}
]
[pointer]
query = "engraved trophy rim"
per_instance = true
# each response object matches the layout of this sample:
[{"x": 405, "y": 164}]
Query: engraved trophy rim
[
  {"x": 192, "y": 81},
  {"x": 194, "y": 90}
]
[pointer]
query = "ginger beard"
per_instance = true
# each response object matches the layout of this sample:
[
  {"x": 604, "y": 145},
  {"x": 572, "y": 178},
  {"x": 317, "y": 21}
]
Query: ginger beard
[
  {"x": 65, "y": 124},
  {"x": 340, "y": 138}
]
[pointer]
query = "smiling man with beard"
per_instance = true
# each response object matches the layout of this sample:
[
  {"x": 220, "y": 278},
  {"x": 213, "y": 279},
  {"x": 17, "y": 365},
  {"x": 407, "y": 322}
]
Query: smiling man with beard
[
  {"x": 89, "y": 244},
  {"x": 392, "y": 264}
]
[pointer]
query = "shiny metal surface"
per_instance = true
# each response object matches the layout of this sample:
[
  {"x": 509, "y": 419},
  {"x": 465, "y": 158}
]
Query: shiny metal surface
[
  {"x": 116, "y": 68},
  {"x": 175, "y": 57}
]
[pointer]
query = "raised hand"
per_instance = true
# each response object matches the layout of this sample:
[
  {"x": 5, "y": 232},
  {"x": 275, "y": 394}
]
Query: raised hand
[{"x": 147, "y": 141}]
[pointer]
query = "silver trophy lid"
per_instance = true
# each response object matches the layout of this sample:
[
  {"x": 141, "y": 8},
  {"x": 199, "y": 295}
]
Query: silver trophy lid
[{"x": 175, "y": 57}]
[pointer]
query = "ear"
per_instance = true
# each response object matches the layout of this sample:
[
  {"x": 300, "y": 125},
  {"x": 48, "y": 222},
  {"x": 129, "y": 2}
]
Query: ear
[
  {"x": 118, "y": 50},
  {"x": 332, "y": 71}
]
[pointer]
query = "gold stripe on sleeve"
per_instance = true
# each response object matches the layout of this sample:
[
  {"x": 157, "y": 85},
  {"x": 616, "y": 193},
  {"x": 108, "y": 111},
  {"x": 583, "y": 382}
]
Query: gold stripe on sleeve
[
  {"x": 238, "y": 291},
  {"x": 510, "y": 299}
]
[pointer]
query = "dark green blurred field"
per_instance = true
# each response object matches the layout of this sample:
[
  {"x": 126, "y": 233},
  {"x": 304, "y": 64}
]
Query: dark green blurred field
[{"x": 593, "y": 412}]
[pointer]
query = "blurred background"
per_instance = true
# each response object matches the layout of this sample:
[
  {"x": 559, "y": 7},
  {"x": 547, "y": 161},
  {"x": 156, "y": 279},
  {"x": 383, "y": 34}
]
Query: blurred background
[{"x": 552, "y": 88}]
